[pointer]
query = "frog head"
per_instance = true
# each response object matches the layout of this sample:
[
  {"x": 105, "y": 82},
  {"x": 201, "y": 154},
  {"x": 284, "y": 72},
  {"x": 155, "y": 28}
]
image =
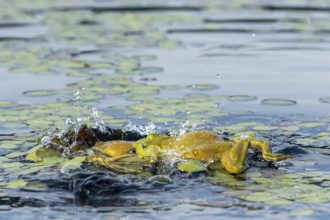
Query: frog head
[{"x": 148, "y": 147}]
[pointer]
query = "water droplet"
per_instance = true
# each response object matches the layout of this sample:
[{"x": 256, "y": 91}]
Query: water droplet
[
  {"x": 76, "y": 92},
  {"x": 76, "y": 97},
  {"x": 97, "y": 120},
  {"x": 254, "y": 35},
  {"x": 79, "y": 120},
  {"x": 46, "y": 141},
  {"x": 61, "y": 99},
  {"x": 142, "y": 129},
  {"x": 150, "y": 128},
  {"x": 183, "y": 128},
  {"x": 194, "y": 126},
  {"x": 69, "y": 121},
  {"x": 218, "y": 75}
]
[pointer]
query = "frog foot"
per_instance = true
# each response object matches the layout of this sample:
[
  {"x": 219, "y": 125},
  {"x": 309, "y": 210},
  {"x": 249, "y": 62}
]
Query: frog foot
[
  {"x": 234, "y": 160},
  {"x": 267, "y": 152}
]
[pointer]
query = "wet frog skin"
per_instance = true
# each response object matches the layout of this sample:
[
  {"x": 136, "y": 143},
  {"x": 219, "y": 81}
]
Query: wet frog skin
[
  {"x": 200, "y": 145},
  {"x": 204, "y": 146}
]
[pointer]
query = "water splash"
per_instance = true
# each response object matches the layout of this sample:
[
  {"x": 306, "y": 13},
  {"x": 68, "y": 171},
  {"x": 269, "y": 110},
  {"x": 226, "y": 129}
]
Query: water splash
[
  {"x": 76, "y": 123},
  {"x": 182, "y": 129},
  {"x": 46, "y": 141},
  {"x": 185, "y": 127},
  {"x": 98, "y": 120},
  {"x": 142, "y": 129},
  {"x": 69, "y": 121},
  {"x": 82, "y": 119},
  {"x": 76, "y": 97}
]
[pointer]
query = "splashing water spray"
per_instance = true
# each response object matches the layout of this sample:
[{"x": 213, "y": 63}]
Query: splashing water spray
[
  {"x": 184, "y": 125},
  {"x": 98, "y": 120},
  {"x": 81, "y": 119},
  {"x": 76, "y": 97},
  {"x": 142, "y": 129}
]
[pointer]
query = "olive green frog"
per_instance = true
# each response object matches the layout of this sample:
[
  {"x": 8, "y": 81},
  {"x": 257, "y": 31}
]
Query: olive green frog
[{"x": 205, "y": 146}]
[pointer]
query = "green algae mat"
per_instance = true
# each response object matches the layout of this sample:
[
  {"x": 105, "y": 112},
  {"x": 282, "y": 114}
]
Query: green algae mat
[{"x": 229, "y": 67}]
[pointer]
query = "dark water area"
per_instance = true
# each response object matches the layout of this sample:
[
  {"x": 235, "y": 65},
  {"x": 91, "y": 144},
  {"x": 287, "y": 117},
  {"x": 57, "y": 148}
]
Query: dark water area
[{"x": 229, "y": 67}]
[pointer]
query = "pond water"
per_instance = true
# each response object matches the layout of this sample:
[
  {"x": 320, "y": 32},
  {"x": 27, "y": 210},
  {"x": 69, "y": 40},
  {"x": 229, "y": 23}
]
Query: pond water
[{"x": 165, "y": 66}]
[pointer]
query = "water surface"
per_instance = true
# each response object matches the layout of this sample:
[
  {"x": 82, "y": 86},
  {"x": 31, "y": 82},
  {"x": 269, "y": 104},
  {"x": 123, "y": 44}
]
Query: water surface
[{"x": 166, "y": 66}]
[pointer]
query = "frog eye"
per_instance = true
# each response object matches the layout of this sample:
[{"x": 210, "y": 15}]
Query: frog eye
[{"x": 144, "y": 146}]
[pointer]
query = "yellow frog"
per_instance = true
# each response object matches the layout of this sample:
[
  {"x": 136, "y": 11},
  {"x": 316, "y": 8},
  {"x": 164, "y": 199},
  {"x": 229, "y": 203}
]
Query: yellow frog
[{"x": 205, "y": 146}]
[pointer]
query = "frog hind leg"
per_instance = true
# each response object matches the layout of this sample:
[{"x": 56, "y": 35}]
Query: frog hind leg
[
  {"x": 266, "y": 151},
  {"x": 234, "y": 159}
]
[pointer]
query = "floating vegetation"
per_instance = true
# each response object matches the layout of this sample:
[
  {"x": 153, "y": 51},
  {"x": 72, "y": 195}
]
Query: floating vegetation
[
  {"x": 110, "y": 54},
  {"x": 7, "y": 104},
  {"x": 278, "y": 102},
  {"x": 191, "y": 166},
  {"x": 203, "y": 87},
  {"x": 39, "y": 93},
  {"x": 279, "y": 190},
  {"x": 242, "y": 98},
  {"x": 325, "y": 100}
]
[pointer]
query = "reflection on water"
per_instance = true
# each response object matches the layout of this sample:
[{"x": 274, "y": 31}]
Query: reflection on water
[{"x": 166, "y": 66}]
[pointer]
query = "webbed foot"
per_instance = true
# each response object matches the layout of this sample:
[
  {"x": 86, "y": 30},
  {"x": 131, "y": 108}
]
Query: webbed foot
[{"x": 267, "y": 152}]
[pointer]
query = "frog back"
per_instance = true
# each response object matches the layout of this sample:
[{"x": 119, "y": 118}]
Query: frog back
[
  {"x": 200, "y": 145},
  {"x": 196, "y": 138}
]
